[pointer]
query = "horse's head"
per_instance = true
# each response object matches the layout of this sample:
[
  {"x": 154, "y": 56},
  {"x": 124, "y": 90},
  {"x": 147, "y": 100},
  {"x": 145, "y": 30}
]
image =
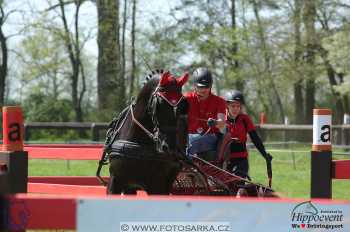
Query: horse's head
[
  {"x": 159, "y": 115},
  {"x": 168, "y": 110}
]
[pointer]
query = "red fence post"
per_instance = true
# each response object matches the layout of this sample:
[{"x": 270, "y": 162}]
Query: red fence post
[
  {"x": 321, "y": 154},
  {"x": 262, "y": 118},
  {"x": 13, "y": 160}
]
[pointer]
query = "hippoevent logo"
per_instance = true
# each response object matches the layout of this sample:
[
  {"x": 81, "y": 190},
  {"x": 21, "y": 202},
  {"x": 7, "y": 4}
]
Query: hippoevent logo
[{"x": 307, "y": 216}]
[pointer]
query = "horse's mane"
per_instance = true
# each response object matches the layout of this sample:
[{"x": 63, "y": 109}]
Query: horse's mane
[{"x": 150, "y": 84}]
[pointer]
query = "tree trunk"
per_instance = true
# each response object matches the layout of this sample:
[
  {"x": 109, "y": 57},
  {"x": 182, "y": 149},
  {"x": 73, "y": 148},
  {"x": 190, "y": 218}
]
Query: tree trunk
[
  {"x": 238, "y": 83},
  {"x": 133, "y": 58},
  {"x": 267, "y": 61},
  {"x": 346, "y": 102},
  {"x": 309, "y": 22},
  {"x": 298, "y": 85},
  {"x": 73, "y": 49},
  {"x": 3, "y": 65},
  {"x": 110, "y": 89},
  {"x": 123, "y": 52}
]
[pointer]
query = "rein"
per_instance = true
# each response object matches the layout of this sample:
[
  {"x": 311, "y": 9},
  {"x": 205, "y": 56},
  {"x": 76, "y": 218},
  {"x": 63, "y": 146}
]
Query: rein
[{"x": 109, "y": 141}]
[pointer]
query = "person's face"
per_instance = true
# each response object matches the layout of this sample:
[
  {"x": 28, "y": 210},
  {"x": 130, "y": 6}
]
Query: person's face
[
  {"x": 202, "y": 92},
  {"x": 234, "y": 108}
]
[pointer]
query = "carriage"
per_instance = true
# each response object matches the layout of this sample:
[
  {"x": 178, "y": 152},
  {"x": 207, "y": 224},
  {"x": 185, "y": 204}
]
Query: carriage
[
  {"x": 206, "y": 178},
  {"x": 145, "y": 148}
]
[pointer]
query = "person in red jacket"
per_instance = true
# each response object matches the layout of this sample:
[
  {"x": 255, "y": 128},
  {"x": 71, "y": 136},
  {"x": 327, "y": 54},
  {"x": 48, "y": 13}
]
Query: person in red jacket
[
  {"x": 239, "y": 125},
  {"x": 206, "y": 116}
]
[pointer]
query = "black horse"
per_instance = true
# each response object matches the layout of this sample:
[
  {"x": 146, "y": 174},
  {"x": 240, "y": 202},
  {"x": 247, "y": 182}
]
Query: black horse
[{"x": 145, "y": 143}]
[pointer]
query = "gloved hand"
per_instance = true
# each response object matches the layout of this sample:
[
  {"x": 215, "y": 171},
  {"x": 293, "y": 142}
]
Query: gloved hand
[
  {"x": 268, "y": 157},
  {"x": 211, "y": 122}
]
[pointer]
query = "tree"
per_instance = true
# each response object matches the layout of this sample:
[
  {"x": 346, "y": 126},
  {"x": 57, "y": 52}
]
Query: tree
[
  {"x": 52, "y": 57},
  {"x": 73, "y": 48},
  {"x": 111, "y": 87},
  {"x": 4, "y": 55},
  {"x": 267, "y": 70},
  {"x": 239, "y": 82},
  {"x": 133, "y": 57},
  {"x": 298, "y": 52},
  {"x": 123, "y": 49},
  {"x": 327, "y": 11},
  {"x": 309, "y": 18},
  {"x": 43, "y": 64}
]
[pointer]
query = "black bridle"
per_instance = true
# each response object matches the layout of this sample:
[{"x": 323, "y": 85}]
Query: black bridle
[{"x": 157, "y": 136}]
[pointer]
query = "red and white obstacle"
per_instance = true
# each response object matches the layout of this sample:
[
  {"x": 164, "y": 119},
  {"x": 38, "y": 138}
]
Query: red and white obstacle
[
  {"x": 173, "y": 213},
  {"x": 65, "y": 207},
  {"x": 323, "y": 168}
]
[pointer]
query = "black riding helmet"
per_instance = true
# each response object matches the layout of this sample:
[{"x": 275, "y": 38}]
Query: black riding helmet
[
  {"x": 234, "y": 95},
  {"x": 203, "y": 77}
]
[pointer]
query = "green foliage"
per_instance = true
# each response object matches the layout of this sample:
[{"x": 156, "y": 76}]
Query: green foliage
[
  {"x": 43, "y": 65},
  {"x": 39, "y": 107},
  {"x": 338, "y": 46},
  {"x": 59, "y": 136},
  {"x": 251, "y": 55}
]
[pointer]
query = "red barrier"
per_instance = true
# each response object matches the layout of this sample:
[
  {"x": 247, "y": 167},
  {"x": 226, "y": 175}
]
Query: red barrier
[
  {"x": 62, "y": 189},
  {"x": 64, "y": 153},
  {"x": 341, "y": 169},
  {"x": 67, "y": 180},
  {"x": 31, "y": 212},
  {"x": 60, "y": 145},
  {"x": 60, "y": 212}
]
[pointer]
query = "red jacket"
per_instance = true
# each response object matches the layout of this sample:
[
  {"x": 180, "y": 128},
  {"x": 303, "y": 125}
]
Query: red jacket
[
  {"x": 239, "y": 127},
  {"x": 201, "y": 110}
]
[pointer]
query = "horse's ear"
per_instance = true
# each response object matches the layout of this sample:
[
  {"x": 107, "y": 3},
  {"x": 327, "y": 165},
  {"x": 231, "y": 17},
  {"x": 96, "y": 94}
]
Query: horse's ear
[
  {"x": 165, "y": 79},
  {"x": 183, "y": 79}
]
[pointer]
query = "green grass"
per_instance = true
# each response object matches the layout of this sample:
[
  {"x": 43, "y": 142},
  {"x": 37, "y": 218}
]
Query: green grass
[
  {"x": 289, "y": 180},
  {"x": 293, "y": 181},
  {"x": 41, "y": 167}
]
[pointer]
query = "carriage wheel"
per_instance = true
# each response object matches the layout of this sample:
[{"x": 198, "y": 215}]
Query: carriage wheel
[{"x": 242, "y": 192}]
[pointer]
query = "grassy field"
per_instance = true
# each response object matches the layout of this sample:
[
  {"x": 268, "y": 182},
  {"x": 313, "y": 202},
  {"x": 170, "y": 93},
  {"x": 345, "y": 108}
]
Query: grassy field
[
  {"x": 290, "y": 179},
  {"x": 293, "y": 180}
]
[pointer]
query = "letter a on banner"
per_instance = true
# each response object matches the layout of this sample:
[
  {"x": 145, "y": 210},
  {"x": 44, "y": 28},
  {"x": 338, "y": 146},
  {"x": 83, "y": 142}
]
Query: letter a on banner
[
  {"x": 325, "y": 133},
  {"x": 15, "y": 132},
  {"x": 13, "y": 128},
  {"x": 322, "y": 122}
]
